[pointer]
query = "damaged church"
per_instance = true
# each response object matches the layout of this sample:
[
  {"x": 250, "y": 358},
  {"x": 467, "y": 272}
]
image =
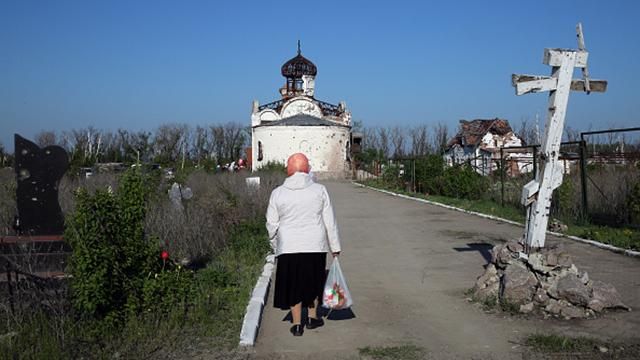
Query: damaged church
[{"x": 298, "y": 122}]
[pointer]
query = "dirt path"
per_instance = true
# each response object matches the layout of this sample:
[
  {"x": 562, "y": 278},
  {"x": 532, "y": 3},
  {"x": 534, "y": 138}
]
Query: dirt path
[{"x": 408, "y": 265}]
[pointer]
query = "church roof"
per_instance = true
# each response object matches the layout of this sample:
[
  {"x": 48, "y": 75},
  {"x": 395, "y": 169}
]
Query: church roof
[
  {"x": 327, "y": 108},
  {"x": 301, "y": 120},
  {"x": 298, "y": 66}
]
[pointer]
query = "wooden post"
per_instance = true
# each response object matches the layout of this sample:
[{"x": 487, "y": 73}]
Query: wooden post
[
  {"x": 583, "y": 179},
  {"x": 502, "y": 170},
  {"x": 536, "y": 195},
  {"x": 414, "y": 175},
  {"x": 535, "y": 161}
]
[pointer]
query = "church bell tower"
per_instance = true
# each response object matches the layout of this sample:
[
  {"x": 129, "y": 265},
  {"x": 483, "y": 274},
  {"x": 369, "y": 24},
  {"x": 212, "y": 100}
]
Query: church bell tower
[{"x": 300, "y": 73}]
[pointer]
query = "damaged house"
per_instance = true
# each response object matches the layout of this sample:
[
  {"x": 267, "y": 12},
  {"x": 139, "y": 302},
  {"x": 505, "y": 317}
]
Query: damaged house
[
  {"x": 478, "y": 142},
  {"x": 298, "y": 122}
]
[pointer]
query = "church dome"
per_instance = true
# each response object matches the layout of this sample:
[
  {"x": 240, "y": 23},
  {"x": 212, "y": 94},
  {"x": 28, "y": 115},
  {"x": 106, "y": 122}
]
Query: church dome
[{"x": 299, "y": 66}]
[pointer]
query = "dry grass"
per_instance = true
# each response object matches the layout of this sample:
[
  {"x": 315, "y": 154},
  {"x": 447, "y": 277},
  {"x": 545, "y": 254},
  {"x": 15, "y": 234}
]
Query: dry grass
[
  {"x": 608, "y": 190},
  {"x": 219, "y": 202},
  {"x": 7, "y": 200},
  {"x": 199, "y": 231}
]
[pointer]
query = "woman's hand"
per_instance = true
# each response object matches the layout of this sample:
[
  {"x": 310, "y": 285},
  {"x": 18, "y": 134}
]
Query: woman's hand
[{"x": 335, "y": 254}]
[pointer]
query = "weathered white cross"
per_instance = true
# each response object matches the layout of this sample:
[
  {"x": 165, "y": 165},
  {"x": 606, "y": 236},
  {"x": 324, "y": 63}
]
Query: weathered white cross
[{"x": 536, "y": 195}]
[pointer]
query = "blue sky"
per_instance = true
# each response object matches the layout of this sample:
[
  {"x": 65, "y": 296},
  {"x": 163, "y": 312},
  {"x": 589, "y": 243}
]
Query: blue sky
[{"x": 138, "y": 64}]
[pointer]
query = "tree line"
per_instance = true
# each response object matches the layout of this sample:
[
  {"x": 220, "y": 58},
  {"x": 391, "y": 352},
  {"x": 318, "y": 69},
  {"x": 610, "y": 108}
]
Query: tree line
[
  {"x": 398, "y": 142},
  {"x": 171, "y": 144},
  {"x": 168, "y": 144}
]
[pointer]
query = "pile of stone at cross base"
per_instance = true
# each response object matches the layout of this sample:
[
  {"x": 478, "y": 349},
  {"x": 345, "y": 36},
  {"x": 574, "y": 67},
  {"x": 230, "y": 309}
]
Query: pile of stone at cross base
[{"x": 547, "y": 283}]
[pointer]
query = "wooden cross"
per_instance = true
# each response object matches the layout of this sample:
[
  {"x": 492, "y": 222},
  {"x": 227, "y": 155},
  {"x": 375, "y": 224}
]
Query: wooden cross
[{"x": 536, "y": 195}]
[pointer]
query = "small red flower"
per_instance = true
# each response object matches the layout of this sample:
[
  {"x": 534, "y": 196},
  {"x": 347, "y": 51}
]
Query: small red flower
[{"x": 164, "y": 255}]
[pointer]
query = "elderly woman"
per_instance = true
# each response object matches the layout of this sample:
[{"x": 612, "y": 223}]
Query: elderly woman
[{"x": 302, "y": 229}]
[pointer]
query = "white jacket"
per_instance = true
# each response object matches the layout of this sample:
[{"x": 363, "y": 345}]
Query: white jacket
[{"x": 300, "y": 218}]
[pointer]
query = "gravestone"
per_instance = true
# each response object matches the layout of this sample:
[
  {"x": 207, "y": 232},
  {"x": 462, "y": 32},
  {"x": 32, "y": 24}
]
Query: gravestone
[
  {"x": 177, "y": 193},
  {"x": 38, "y": 173}
]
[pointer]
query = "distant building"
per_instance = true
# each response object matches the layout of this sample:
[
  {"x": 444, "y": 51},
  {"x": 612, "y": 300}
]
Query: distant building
[
  {"x": 298, "y": 122},
  {"x": 478, "y": 142}
]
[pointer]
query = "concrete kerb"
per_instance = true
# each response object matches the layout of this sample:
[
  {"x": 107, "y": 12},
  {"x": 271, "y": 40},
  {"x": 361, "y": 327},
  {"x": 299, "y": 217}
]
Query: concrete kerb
[
  {"x": 575, "y": 238},
  {"x": 253, "y": 314}
]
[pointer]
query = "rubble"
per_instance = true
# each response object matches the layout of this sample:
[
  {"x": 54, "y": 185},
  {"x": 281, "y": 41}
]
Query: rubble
[
  {"x": 547, "y": 282},
  {"x": 556, "y": 226}
]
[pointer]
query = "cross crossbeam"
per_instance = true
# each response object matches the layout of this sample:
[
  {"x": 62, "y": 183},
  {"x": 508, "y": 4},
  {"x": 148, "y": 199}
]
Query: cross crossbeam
[{"x": 525, "y": 84}]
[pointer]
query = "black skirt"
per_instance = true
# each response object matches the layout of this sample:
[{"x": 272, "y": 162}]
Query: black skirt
[{"x": 300, "y": 278}]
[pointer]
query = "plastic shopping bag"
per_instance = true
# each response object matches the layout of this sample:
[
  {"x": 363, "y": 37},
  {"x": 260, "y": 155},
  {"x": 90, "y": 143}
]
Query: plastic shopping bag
[{"x": 336, "y": 294}]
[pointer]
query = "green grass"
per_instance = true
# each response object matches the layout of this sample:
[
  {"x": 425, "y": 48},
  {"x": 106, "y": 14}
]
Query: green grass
[
  {"x": 561, "y": 344},
  {"x": 626, "y": 238},
  {"x": 492, "y": 303},
  {"x": 214, "y": 316},
  {"x": 482, "y": 206},
  {"x": 553, "y": 346},
  {"x": 402, "y": 352}
]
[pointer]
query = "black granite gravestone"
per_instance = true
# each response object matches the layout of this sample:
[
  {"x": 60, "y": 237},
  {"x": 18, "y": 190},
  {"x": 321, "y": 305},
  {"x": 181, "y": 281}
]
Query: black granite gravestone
[{"x": 38, "y": 173}]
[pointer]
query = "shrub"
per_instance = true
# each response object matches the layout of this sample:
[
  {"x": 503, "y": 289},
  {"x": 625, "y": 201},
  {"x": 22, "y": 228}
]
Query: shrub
[
  {"x": 462, "y": 182},
  {"x": 563, "y": 204},
  {"x": 111, "y": 256},
  {"x": 123, "y": 297},
  {"x": 273, "y": 166},
  {"x": 369, "y": 155},
  {"x": 633, "y": 203},
  {"x": 391, "y": 176},
  {"x": 166, "y": 290},
  {"x": 428, "y": 169}
]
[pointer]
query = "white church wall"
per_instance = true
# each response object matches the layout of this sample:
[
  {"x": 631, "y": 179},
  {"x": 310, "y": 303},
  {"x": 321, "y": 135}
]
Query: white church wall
[{"x": 326, "y": 146}]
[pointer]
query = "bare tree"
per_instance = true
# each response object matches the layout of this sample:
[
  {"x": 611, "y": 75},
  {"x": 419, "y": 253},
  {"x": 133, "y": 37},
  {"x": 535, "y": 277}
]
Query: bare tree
[
  {"x": 235, "y": 140},
  {"x": 83, "y": 145},
  {"x": 572, "y": 134},
  {"x": 139, "y": 146},
  {"x": 123, "y": 144},
  {"x": 528, "y": 132},
  {"x": 383, "y": 136},
  {"x": 199, "y": 144},
  {"x": 46, "y": 138},
  {"x": 441, "y": 136},
  {"x": 226, "y": 142},
  {"x": 217, "y": 142},
  {"x": 370, "y": 139},
  {"x": 170, "y": 142},
  {"x": 420, "y": 141},
  {"x": 397, "y": 140}
]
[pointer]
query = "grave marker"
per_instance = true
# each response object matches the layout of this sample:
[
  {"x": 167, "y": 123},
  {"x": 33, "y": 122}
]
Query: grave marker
[
  {"x": 38, "y": 173},
  {"x": 536, "y": 195}
]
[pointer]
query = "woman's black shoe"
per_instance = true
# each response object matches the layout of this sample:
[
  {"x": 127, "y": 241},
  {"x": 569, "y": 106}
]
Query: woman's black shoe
[
  {"x": 314, "y": 323},
  {"x": 297, "y": 330}
]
